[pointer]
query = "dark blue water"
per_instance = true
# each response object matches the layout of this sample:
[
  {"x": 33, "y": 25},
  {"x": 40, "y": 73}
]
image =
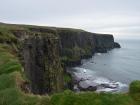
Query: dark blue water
[{"x": 119, "y": 65}]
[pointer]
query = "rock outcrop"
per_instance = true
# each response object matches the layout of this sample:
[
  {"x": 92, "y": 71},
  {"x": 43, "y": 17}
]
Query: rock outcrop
[
  {"x": 42, "y": 64},
  {"x": 76, "y": 45},
  {"x": 117, "y": 45},
  {"x": 104, "y": 43}
]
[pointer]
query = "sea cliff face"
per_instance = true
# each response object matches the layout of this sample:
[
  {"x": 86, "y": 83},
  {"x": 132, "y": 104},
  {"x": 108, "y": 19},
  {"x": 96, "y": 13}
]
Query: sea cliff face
[
  {"x": 46, "y": 51},
  {"x": 42, "y": 64},
  {"x": 77, "y": 44},
  {"x": 104, "y": 43}
]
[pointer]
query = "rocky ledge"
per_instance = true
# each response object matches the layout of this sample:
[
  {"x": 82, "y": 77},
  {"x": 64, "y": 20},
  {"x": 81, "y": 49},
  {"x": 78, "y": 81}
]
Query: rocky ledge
[{"x": 117, "y": 45}]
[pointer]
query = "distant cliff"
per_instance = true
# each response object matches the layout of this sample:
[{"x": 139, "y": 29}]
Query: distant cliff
[
  {"x": 76, "y": 44},
  {"x": 45, "y": 50}
]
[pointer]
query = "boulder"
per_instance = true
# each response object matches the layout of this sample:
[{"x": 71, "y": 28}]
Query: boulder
[
  {"x": 117, "y": 45},
  {"x": 84, "y": 86}
]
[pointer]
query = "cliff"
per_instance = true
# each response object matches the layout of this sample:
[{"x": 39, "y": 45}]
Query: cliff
[
  {"x": 76, "y": 44},
  {"x": 38, "y": 48},
  {"x": 42, "y": 48},
  {"x": 42, "y": 64}
]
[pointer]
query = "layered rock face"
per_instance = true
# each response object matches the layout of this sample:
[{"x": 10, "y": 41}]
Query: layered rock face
[
  {"x": 78, "y": 44},
  {"x": 116, "y": 45},
  {"x": 41, "y": 53},
  {"x": 104, "y": 43},
  {"x": 42, "y": 64}
]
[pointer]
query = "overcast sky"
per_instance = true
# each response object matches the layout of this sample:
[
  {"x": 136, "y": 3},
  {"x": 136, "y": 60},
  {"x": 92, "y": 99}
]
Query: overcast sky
[{"x": 119, "y": 17}]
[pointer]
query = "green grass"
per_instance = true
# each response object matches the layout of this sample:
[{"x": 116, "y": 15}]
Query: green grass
[
  {"x": 91, "y": 98},
  {"x": 134, "y": 87},
  {"x": 6, "y": 36},
  {"x": 7, "y": 81},
  {"x": 134, "y": 91},
  {"x": 11, "y": 94},
  {"x": 11, "y": 79},
  {"x": 67, "y": 78},
  {"x": 8, "y": 62}
]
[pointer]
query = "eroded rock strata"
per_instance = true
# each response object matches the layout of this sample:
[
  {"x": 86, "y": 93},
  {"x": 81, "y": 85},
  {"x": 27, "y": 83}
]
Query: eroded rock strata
[
  {"x": 42, "y": 64},
  {"x": 47, "y": 49}
]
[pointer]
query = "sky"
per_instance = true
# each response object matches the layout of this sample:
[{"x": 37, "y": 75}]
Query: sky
[{"x": 118, "y": 17}]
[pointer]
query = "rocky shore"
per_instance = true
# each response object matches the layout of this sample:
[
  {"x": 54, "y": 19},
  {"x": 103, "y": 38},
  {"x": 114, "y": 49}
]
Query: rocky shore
[{"x": 86, "y": 80}]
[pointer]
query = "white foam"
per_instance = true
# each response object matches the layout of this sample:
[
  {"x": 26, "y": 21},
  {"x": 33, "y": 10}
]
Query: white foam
[
  {"x": 84, "y": 70},
  {"x": 101, "y": 80},
  {"x": 106, "y": 90},
  {"x": 121, "y": 85},
  {"x": 98, "y": 53}
]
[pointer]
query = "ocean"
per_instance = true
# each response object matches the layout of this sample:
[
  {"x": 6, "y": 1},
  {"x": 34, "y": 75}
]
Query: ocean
[{"x": 114, "y": 70}]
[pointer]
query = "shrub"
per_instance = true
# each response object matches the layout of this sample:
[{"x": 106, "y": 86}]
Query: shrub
[{"x": 134, "y": 87}]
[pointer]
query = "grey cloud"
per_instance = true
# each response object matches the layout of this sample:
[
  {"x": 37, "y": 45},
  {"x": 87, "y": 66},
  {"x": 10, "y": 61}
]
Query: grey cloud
[{"x": 92, "y": 15}]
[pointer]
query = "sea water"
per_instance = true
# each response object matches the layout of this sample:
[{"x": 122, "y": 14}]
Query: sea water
[{"x": 117, "y": 67}]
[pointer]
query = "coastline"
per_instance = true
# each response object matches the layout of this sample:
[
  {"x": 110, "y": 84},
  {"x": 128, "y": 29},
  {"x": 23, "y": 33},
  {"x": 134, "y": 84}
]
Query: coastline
[{"x": 84, "y": 79}]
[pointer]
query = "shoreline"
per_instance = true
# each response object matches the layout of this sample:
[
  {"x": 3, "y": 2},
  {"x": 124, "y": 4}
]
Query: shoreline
[
  {"x": 97, "y": 84},
  {"x": 87, "y": 80}
]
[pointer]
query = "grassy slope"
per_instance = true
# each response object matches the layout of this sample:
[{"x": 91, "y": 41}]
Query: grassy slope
[
  {"x": 10, "y": 80},
  {"x": 11, "y": 77}
]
